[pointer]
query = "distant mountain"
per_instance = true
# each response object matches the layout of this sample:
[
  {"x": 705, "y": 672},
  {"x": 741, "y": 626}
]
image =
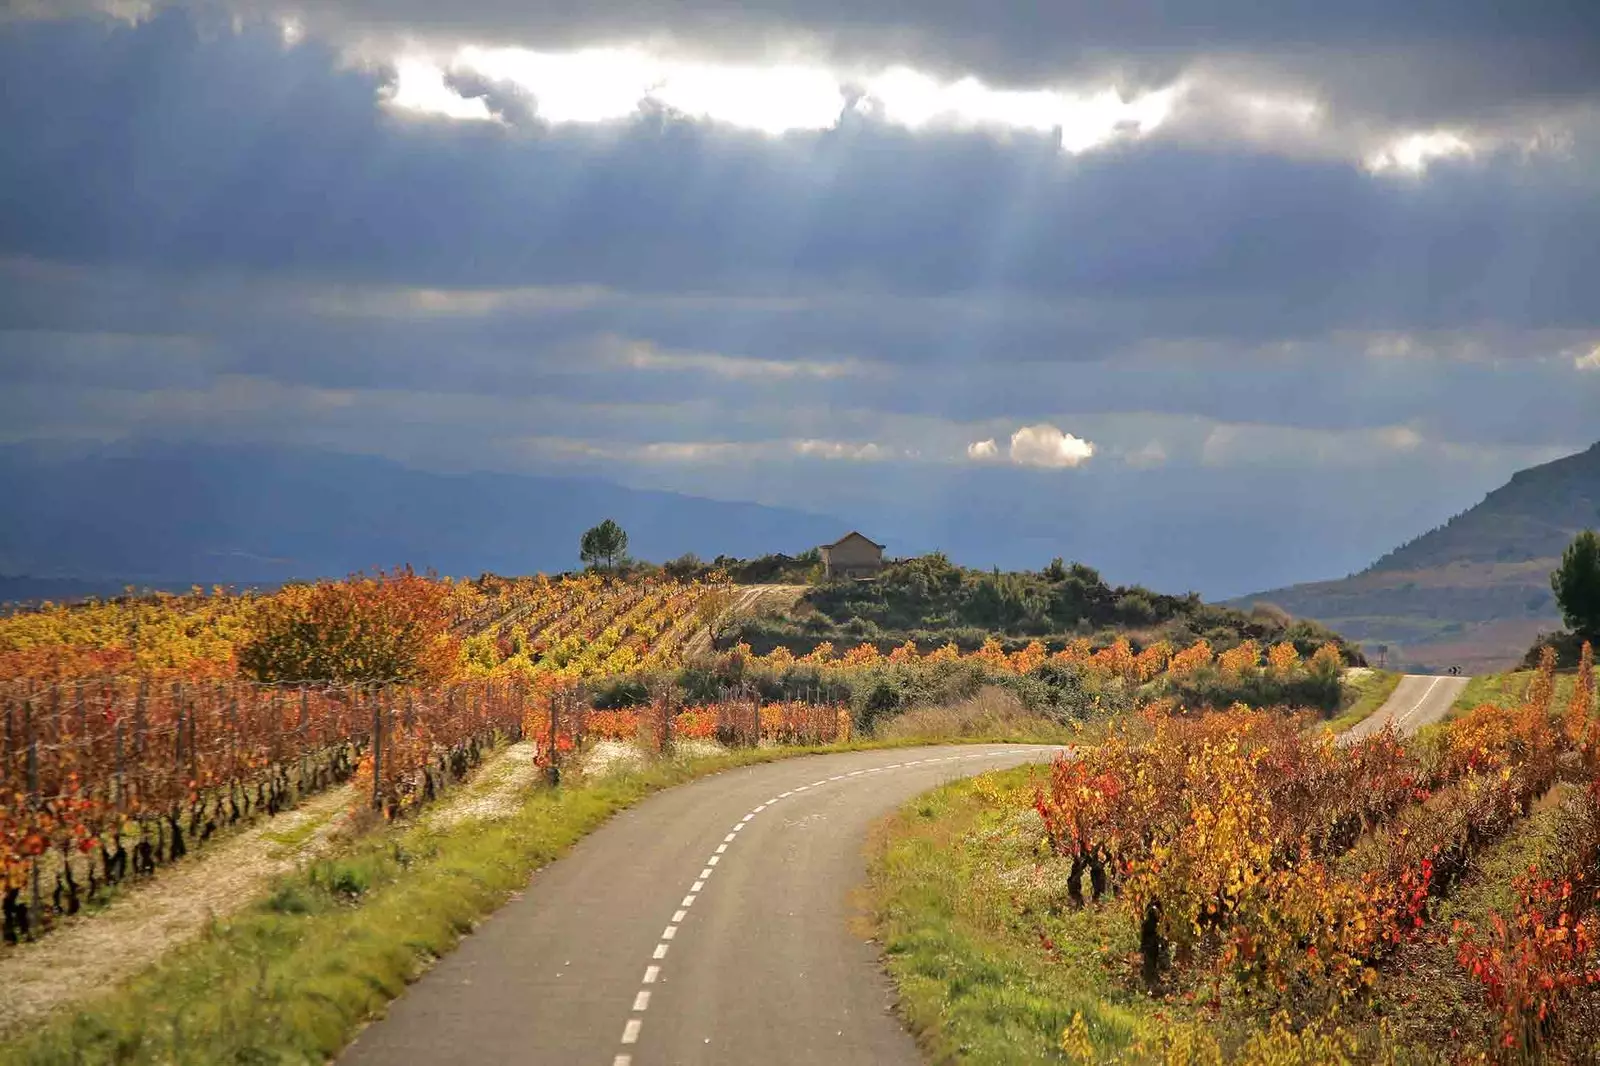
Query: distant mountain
[
  {"x": 162, "y": 514},
  {"x": 16, "y": 591},
  {"x": 1473, "y": 592}
]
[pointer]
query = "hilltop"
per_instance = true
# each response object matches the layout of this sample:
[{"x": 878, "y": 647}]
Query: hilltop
[
  {"x": 931, "y": 601},
  {"x": 1472, "y": 592}
]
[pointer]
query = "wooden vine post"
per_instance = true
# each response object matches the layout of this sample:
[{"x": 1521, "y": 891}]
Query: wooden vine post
[
  {"x": 552, "y": 769},
  {"x": 34, "y": 799},
  {"x": 377, "y": 750}
]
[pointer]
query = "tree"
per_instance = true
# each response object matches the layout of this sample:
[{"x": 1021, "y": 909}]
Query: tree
[
  {"x": 1576, "y": 583},
  {"x": 684, "y": 567},
  {"x": 605, "y": 545}
]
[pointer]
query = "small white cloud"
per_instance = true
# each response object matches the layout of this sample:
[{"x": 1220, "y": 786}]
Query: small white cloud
[
  {"x": 1411, "y": 153},
  {"x": 692, "y": 451},
  {"x": 835, "y": 449},
  {"x": 1045, "y": 445},
  {"x": 1590, "y": 361},
  {"x": 420, "y": 87},
  {"x": 642, "y": 355},
  {"x": 1080, "y": 121},
  {"x": 1400, "y": 438},
  {"x": 1151, "y": 455},
  {"x": 983, "y": 450}
]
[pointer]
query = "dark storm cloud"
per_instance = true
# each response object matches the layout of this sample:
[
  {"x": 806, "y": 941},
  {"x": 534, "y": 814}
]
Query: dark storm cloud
[
  {"x": 1430, "y": 60},
  {"x": 158, "y": 146}
]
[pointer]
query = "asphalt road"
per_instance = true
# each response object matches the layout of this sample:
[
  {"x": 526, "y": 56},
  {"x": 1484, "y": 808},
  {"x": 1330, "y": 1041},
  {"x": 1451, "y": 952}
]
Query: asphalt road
[
  {"x": 1419, "y": 700},
  {"x": 709, "y": 924}
]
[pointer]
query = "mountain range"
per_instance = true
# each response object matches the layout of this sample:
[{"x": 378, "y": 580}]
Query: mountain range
[
  {"x": 165, "y": 515},
  {"x": 1473, "y": 592}
]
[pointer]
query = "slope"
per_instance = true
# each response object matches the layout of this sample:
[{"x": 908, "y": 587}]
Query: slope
[{"x": 1472, "y": 592}]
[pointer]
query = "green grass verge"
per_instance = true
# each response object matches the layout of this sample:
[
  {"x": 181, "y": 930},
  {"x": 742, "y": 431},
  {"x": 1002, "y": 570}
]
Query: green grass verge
[
  {"x": 1508, "y": 690},
  {"x": 290, "y": 977},
  {"x": 978, "y": 983},
  {"x": 1364, "y": 697}
]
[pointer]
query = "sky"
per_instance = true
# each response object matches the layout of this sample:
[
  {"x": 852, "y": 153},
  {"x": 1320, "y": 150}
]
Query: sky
[{"x": 1213, "y": 295}]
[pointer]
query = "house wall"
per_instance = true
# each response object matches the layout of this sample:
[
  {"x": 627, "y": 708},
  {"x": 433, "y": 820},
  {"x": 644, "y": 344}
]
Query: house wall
[
  {"x": 854, "y": 558},
  {"x": 854, "y": 553}
]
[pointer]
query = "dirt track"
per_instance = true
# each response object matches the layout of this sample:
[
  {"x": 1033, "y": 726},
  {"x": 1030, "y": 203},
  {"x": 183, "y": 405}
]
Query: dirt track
[{"x": 749, "y": 600}]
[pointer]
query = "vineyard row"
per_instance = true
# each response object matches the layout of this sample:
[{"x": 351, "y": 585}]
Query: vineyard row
[{"x": 106, "y": 780}]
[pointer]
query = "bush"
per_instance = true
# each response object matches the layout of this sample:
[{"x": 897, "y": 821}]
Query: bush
[
  {"x": 1568, "y": 648},
  {"x": 388, "y": 627},
  {"x": 1210, "y": 688}
]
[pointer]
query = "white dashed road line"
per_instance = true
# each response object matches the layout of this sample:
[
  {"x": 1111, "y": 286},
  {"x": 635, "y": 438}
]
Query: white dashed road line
[
  {"x": 1400, "y": 721},
  {"x": 652, "y": 973}
]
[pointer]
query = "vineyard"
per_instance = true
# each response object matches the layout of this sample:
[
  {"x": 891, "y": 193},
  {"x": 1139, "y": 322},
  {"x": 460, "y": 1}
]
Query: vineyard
[
  {"x": 105, "y": 781},
  {"x": 569, "y": 628},
  {"x": 137, "y": 730},
  {"x": 585, "y": 627},
  {"x": 1116, "y": 660},
  {"x": 1260, "y": 870}
]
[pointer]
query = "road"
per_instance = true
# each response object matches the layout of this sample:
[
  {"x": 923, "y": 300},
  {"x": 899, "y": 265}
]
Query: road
[
  {"x": 1419, "y": 700},
  {"x": 709, "y": 924}
]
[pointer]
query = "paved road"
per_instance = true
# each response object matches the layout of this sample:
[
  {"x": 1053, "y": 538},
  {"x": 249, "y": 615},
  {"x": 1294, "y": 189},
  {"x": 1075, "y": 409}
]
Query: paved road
[
  {"x": 709, "y": 924},
  {"x": 1418, "y": 700}
]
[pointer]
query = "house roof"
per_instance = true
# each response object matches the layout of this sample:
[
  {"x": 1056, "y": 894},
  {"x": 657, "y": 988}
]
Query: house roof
[{"x": 850, "y": 534}]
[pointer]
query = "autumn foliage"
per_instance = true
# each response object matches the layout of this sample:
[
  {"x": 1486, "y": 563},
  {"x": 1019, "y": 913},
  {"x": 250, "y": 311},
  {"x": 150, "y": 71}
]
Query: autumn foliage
[
  {"x": 389, "y": 627},
  {"x": 1253, "y": 854}
]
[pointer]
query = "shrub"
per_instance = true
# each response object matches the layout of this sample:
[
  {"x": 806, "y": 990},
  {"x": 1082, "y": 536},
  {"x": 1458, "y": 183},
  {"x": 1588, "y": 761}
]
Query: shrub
[{"x": 388, "y": 627}]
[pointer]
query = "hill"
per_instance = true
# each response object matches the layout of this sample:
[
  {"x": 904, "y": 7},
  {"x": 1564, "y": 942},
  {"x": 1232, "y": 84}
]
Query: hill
[
  {"x": 932, "y": 602},
  {"x": 1472, "y": 592},
  {"x": 158, "y": 515}
]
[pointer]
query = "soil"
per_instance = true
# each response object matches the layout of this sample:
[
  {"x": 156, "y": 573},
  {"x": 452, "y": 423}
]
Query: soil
[{"x": 96, "y": 950}]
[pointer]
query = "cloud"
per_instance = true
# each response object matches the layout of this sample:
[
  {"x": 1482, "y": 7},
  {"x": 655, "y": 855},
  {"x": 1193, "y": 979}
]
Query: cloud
[
  {"x": 1047, "y": 446},
  {"x": 1204, "y": 103},
  {"x": 725, "y": 284},
  {"x": 1424, "y": 63},
  {"x": 1591, "y": 361},
  {"x": 308, "y": 179},
  {"x": 833, "y": 449},
  {"x": 1258, "y": 445},
  {"x": 1147, "y": 456},
  {"x": 643, "y": 355}
]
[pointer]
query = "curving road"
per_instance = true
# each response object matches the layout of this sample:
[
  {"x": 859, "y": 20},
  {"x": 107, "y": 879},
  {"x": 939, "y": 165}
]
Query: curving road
[
  {"x": 1419, "y": 700},
  {"x": 708, "y": 924}
]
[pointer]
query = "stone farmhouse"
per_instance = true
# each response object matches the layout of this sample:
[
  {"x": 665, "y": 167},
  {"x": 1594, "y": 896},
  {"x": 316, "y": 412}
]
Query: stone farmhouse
[{"x": 851, "y": 556}]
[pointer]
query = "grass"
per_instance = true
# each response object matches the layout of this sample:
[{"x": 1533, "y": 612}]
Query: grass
[
  {"x": 977, "y": 982},
  {"x": 991, "y": 715},
  {"x": 1364, "y": 695},
  {"x": 293, "y": 839},
  {"x": 1508, "y": 690}
]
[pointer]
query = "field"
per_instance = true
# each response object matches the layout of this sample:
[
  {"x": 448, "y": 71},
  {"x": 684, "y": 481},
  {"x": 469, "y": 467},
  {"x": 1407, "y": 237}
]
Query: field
[
  {"x": 1234, "y": 888},
  {"x": 570, "y": 628},
  {"x": 140, "y": 729}
]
